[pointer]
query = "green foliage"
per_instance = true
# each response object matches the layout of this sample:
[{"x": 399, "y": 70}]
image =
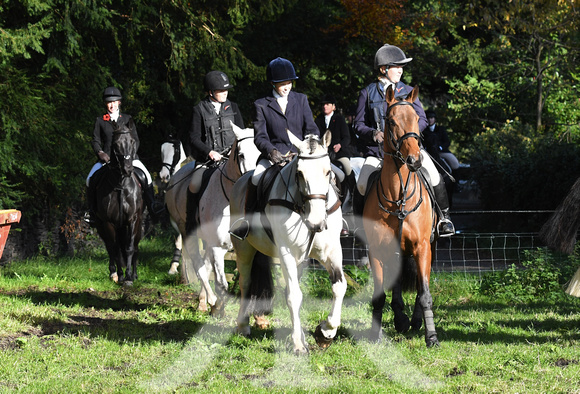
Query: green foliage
[
  {"x": 541, "y": 277},
  {"x": 534, "y": 169}
]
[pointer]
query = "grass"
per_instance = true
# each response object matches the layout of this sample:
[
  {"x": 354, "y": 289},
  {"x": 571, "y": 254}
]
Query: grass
[{"x": 64, "y": 327}]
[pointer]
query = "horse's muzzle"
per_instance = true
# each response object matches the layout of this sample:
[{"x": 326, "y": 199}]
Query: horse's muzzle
[
  {"x": 316, "y": 228},
  {"x": 413, "y": 163}
]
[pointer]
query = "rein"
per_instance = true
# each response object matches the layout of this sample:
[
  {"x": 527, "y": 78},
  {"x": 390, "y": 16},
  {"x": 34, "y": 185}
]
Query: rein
[{"x": 412, "y": 179}]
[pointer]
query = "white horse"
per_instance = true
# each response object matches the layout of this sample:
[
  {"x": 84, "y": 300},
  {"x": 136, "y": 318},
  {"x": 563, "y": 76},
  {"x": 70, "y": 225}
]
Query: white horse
[
  {"x": 172, "y": 157},
  {"x": 212, "y": 217},
  {"x": 302, "y": 219}
]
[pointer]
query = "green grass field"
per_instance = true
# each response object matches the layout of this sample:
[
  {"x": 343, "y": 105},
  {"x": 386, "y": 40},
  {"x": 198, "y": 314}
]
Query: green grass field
[{"x": 64, "y": 327}]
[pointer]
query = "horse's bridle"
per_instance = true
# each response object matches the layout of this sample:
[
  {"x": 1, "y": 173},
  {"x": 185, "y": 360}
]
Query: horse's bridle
[
  {"x": 117, "y": 156},
  {"x": 393, "y": 141},
  {"x": 237, "y": 154},
  {"x": 176, "y": 156}
]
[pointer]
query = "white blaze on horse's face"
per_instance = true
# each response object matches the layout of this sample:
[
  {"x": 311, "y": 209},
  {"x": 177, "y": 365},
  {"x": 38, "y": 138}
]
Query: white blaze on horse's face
[
  {"x": 248, "y": 152},
  {"x": 124, "y": 147},
  {"x": 313, "y": 173}
]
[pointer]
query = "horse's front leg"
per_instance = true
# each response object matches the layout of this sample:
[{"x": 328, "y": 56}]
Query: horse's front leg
[
  {"x": 424, "y": 295},
  {"x": 244, "y": 261},
  {"x": 216, "y": 255},
  {"x": 173, "y": 268},
  {"x": 378, "y": 299},
  {"x": 326, "y": 330},
  {"x": 191, "y": 249},
  {"x": 401, "y": 320},
  {"x": 132, "y": 238},
  {"x": 293, "y": 298}
]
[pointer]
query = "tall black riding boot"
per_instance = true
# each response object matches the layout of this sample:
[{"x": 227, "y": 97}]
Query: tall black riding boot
[
  {"x": 241, "y": 227},
  {"x": 154, "y": 207},
  {"x": 445, "y": 226},
  {"x": 90, "y": 216}
]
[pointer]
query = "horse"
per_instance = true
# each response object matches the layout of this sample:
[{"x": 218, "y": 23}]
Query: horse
[
  {"x": 172, "y": 158},
  {"x": 302, "y": 218},
  {"x": 212, "y": 216},
  {"x": 560, "y": 230},
  {"x": 120, "y": 207},
  {"x": 399, "y": 224}
]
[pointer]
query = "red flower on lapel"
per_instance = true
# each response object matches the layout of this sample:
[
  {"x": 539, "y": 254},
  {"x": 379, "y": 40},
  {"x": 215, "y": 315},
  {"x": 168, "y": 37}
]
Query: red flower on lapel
[{"x": 106, "y": 117}]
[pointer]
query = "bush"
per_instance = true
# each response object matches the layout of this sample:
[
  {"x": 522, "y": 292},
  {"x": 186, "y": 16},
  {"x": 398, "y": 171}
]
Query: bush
[{"x": 542, "y": 274}]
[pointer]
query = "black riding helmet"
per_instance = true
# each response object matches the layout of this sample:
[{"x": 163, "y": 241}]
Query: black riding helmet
[
  {"x": 390, "y": 55},
  {"x": 280, "y": 70},
  {"x": 216, "y": 80},
  {"x": 111, "y": 94}
]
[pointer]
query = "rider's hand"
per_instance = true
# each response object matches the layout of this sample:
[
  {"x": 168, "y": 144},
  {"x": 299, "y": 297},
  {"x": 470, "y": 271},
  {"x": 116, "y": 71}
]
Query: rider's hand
[
  {"x": 275, "y": 156},
  {"x": 104, "y": 157},
  {"x": 378, "y": 136},
  {"x": 215, "y": 156}
]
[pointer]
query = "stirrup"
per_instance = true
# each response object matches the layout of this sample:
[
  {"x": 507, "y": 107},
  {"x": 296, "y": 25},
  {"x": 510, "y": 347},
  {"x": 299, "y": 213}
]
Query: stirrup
[
  {"x": 240, "y": 229},
  {"x": 89, "y": 218},
  {"x": 445, "y": 228}
]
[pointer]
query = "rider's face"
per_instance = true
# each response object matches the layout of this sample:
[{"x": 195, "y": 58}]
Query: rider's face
[
  {"x": 283, "y": 88},
  {"x": 113, "y": 106},
  {"x": 394, "y": 73},
  {"x": 219, "y": 95}
]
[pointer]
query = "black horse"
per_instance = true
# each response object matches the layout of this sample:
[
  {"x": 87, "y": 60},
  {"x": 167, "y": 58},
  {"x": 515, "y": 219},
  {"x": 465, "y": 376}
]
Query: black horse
[{"x": 120, "y": 206}]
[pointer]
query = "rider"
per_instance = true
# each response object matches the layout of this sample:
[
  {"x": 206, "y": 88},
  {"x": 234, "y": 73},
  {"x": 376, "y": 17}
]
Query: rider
[
  {"x": 280, "y": 110},
  {"x": 211, "y": 133},
  {"x": 369, "y": 125},
  {"x": 101, "y": 144}
]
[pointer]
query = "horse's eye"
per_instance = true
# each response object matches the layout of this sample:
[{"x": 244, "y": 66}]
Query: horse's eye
[{"x": 392, "y": 122}]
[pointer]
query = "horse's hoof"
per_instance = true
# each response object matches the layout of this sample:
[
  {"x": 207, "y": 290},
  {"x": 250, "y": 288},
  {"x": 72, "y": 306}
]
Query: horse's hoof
[
  {"x": 321, "y": 339},
  {"x": 202, "y": 307},
  {"x": 173, "y": 269},
  {"x": 128, "y": 283},
  {"x": 114, "y": 277},
  {"x": 432, "y": 341},
  {"x": 244, "y": 330},
  {"x": 261, "y": 322},
  {"x": 402, "y": 324},
  {"x": 218, "y": 311}
]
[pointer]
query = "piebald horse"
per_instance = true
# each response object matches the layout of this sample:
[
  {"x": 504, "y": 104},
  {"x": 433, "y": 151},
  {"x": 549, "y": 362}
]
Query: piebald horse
[{"x": 213, "y": 217}]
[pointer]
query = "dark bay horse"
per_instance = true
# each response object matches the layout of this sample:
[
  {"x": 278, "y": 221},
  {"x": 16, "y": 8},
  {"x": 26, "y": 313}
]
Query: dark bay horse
[
  {"x": 399, "y": 222},
  {"x": 120, "y": 207}
]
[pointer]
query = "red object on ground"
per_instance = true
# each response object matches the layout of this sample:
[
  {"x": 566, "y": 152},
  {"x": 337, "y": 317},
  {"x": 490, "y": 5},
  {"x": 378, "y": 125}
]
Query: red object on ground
[{"x": 7, "y": 218}]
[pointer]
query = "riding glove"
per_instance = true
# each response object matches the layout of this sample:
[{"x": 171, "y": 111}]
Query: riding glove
[
  {"x": 275, "y": 156},
  {"x": 104, "y": 157}
]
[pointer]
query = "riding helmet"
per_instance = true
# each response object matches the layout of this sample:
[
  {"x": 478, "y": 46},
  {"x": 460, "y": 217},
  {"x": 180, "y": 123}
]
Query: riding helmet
[
  {"x": 430, "y": 113},
  {"x": 280, "y": 70},
  {"x": 390, "y": 55},
  {"x": 328, "y": 98},
  {"x": 216, "y": 80},
  {"x": 111, "y": 94}
]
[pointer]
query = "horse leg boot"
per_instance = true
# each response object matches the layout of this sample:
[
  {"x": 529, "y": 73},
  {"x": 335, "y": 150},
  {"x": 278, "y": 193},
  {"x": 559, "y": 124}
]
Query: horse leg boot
[
  {"x": 445, "y": 226},
  {"x": 241, "y": 227}
]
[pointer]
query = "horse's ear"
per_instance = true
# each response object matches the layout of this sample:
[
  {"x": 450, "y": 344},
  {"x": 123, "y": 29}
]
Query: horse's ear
[
  {"x": 294, "y": 140},
  {"x": 327, "y": 138},
  {"x": 414, "y": 94},
  {"x": 390, "y": 95}
]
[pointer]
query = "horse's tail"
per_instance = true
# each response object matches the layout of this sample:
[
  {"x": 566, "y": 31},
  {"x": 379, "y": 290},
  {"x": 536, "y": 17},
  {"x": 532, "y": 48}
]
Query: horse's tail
[
  {"x": 409, "y": 275},
  {"x": 559, "y": 232}
]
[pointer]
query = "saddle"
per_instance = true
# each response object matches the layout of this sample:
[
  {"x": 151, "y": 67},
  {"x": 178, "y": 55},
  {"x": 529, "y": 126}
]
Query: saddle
[{"x": 192, "y": 204}]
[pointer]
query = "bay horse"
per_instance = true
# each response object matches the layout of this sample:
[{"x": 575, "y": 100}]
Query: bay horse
[
  {"x": 120, "y": 206},
  {"x": 302, "y": 218},
  {"x": 399, "y": 224},
  {"x": 213, "y": 217},
  {"x": 172, "y": 158}
]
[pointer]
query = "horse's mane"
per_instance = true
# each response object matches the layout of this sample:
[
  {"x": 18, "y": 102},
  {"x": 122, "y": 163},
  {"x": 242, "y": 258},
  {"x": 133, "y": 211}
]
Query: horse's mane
[{"x": 313, "y": 143}]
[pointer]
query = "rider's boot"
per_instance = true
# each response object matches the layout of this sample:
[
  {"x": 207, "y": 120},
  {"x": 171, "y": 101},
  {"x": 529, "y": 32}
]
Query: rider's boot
[
  {"x": 154, "y": 207},
  {"x": 445, "y": 226},
  {"x": 241, "y": 227},
  {"x": 90, "y": 215}
]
